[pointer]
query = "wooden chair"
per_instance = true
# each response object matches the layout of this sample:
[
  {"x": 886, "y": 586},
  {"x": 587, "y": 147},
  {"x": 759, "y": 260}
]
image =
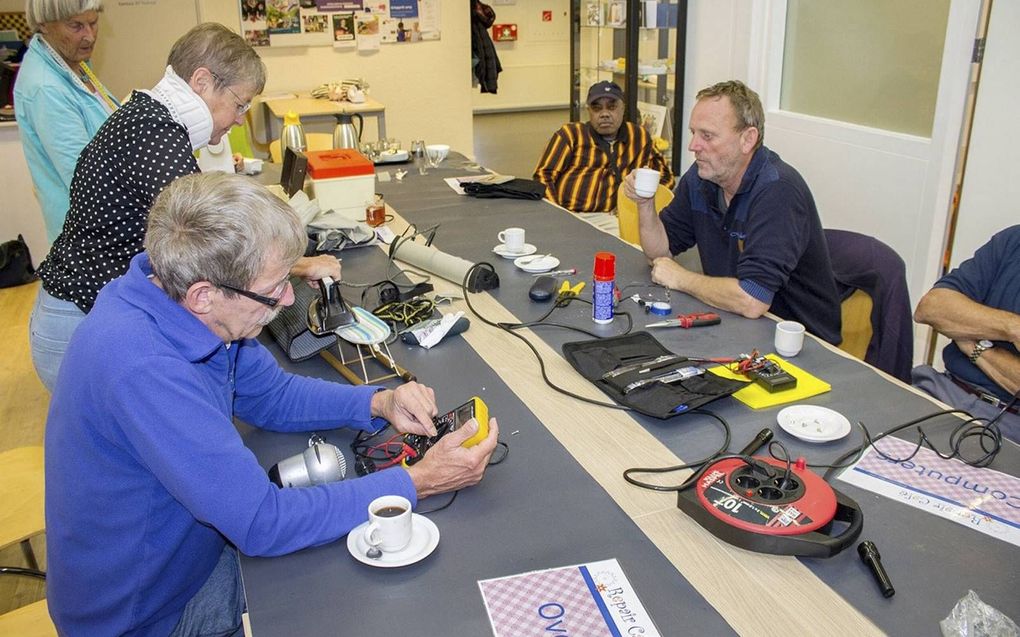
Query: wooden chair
[
  {"x": 627, "y": 212},
  {"x": 316, "y": 141},
  {"x": 22, "y": 518},
  {"x": 21, "y": 491},
  {"x": 28, "y": 621}
]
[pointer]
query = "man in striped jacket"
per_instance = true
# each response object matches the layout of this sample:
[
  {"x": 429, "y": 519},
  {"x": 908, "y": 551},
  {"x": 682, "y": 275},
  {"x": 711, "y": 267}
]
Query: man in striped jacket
[{"x": 585, "y": 162}]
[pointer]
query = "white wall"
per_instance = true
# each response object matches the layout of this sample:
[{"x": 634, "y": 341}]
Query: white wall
[{"x": 536, "y": 68}]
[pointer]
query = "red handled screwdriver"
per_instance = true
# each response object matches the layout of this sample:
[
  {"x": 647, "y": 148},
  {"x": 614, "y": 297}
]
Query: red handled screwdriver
[{"x": 687, "y": 321}]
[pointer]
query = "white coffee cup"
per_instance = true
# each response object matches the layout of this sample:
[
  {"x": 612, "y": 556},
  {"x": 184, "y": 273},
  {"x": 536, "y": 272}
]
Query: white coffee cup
[
  {"x": 512, "y": 239},
  {"x": 789, "y": 338},
  {"x": 646, "y": 181},
  {"x": 389, "y": 523}
]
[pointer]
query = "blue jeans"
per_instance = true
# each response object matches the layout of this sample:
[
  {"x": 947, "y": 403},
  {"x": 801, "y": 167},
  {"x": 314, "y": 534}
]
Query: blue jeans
[
  {"x": 215, "y": 610},
  {"x": 50, "y": 327}
]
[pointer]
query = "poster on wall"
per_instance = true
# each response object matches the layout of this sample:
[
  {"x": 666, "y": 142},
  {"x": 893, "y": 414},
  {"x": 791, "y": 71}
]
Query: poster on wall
[
  {"x": 364, "y": 24},
  {"x": 282, "y": 17},
  {"x": 429, "y": 19},
  {"x": 368, "y": 29},
  {"x": 403, "y": 8},
  {"x": 343, "y": 30},
  {"x": 339, "y": 5}
]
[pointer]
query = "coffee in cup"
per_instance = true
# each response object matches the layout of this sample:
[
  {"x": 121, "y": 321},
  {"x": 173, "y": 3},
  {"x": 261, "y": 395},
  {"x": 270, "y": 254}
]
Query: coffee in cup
[{"x": 389, "y": 523}]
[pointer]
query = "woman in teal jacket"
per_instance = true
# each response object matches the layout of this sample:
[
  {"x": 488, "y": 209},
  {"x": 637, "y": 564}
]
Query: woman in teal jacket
[{"x": 58, "y": 100}]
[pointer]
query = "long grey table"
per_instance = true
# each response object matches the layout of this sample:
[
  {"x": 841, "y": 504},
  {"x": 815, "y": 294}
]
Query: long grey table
[{"x": 539, "y": 509}]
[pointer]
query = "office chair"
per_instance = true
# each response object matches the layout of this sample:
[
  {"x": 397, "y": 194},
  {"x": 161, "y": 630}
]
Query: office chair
[
  {"x": 865, "y": 267},
  {"x": 316, "y": 141},
  {"x": 627, "y": 212}
]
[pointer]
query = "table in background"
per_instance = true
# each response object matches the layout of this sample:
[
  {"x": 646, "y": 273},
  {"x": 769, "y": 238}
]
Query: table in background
[
  {"x": 308, "y": 108},
  {"x": 547, "y": 505}
]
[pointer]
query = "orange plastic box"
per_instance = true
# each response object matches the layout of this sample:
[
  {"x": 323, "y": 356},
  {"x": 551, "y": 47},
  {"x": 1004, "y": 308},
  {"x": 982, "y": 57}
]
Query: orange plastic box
[{"x": 342, "y": 180}]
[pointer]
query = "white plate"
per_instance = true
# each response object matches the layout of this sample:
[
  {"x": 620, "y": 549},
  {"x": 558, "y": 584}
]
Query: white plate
[
  {"x": 813, "y": 423},
  {"x": 541, "y": 264},
  {"x": 525, "y": 250},
  {"x": 392, "y": 157},
  {"x": 424, "y": 540}
]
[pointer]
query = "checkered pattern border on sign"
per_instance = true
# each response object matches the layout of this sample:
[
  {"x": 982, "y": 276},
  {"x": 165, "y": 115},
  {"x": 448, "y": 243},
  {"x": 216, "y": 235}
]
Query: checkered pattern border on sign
[{"x": 514, "y": 604}]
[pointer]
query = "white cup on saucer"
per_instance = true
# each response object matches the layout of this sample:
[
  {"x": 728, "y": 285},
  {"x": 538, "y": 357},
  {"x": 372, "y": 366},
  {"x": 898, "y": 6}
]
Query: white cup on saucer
[
  {"x": 646, "y": 182},
  {"x": 789, "y": 338},
  {"x": 512, "y": 239},
  {"x": 389, "y": 523}
]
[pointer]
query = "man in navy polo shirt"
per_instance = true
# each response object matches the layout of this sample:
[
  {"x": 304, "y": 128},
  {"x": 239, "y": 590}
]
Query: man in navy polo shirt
[
  {"x": 978, "y": 306},
  {"x": 750, "y": 214}
]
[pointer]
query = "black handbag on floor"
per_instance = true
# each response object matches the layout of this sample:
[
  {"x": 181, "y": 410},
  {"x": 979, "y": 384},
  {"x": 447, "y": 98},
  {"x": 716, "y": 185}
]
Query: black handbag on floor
[
  {"x": 593, "y": 359},
  {"x": 15, "y": 263}
]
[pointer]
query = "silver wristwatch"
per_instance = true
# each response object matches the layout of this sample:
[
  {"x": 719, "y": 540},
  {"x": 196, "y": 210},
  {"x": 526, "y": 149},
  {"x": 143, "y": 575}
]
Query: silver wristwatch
[{"x": 979, "y": 349}]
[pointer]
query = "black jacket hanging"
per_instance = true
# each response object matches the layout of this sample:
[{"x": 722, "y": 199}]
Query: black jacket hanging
[{"x": 487, "y": 67}]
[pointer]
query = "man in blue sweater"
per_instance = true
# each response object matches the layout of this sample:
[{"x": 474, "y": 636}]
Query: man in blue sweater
[
  {"x": 149, "y": 487},
  {"x": 752, "y": 217}
]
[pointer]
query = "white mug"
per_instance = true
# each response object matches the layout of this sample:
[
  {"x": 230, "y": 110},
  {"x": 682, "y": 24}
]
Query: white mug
[
  {"x": 512, "y": 238},
  {"x": 646, "y": 181},
  {"x": 789, "y": 338},
  {"x": 389, "y": 523}
]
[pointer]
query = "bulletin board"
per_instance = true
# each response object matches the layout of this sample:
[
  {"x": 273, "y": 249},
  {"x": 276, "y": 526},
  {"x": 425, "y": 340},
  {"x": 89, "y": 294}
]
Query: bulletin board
[{"x": 343, "y": 24}]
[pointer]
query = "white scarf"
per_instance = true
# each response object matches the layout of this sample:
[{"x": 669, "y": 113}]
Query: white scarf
[{"x": 186, "y": 107}]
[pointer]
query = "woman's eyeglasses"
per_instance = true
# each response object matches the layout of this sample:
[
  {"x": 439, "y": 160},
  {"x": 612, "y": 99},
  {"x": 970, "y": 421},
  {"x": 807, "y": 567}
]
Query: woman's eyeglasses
[{"x": 242, "y": 106}]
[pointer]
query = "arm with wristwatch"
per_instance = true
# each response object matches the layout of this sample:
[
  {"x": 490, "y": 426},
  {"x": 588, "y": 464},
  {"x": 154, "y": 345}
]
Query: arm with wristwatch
[{"x": 976, "y": 328}]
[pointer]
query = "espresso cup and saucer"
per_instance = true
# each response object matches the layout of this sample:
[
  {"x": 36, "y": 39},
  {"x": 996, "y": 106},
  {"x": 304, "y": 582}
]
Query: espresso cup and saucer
[
  {"x": 393, "y": 535},
  {"x": 512, "y": 244}
]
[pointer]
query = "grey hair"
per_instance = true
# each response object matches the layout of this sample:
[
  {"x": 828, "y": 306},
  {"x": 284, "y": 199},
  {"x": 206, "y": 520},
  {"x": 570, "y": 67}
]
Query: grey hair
[
  {"x": 215, "y": 47},
  {"x": 746, "y": 105},
  {"x": 38, "y": 12},
  {"x": 220, "y": 228}
]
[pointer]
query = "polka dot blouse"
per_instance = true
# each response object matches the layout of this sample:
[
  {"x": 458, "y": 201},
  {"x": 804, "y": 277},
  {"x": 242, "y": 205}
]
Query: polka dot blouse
[{"x": 137, "y": 152}]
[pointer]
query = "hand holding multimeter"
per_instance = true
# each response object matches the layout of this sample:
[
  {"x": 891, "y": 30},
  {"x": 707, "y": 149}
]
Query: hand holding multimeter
[{"x": 450, "y": 422}]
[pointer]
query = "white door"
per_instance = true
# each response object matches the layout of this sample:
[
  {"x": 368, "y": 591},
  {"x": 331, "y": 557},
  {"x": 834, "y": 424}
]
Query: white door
[{"x": 891, "y": 185}]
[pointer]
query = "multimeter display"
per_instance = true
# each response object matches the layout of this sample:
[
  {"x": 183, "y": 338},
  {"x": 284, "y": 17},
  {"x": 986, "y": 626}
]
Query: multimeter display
[{"x": 452, "y": 421}]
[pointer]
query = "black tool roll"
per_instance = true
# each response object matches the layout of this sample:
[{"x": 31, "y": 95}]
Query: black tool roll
[
  {"x": 513, "y": 189},
  {"x": 593, "y": 359},
  {"x": 290, "y": 327}
]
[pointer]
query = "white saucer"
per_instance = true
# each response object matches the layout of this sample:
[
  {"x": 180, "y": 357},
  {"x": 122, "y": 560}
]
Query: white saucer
[
  {"x": 813, "y": 423},
  {"x": 424, "y": 540},
  {"x": 541, "y": 264},
  {"x": 525, "y": 250}
]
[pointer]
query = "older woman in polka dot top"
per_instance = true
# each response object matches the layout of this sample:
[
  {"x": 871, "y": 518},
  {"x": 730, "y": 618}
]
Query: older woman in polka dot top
[{"x": 211, "y": 78}]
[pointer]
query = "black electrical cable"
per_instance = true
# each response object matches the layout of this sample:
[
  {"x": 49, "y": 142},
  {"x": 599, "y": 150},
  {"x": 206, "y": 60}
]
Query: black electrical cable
[
  {"x": 700, "y": 463},
  {"x": 510, "y": 328}
]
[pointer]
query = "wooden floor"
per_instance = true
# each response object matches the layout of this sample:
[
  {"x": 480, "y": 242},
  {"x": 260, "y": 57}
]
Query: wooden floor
[{"x": 23, "y": 405}]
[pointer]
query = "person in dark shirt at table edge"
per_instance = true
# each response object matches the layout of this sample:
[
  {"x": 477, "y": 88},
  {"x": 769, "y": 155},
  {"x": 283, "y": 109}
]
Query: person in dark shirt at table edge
[{"x": 977, "y": 305}]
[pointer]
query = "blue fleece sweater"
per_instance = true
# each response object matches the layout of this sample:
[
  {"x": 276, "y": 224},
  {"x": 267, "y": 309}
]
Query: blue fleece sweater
[{"x": 146, "y": 476}]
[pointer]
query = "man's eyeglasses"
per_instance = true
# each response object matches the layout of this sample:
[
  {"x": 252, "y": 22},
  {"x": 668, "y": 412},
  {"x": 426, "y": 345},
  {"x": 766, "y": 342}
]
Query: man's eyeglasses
[
  {"x": 242, "y": 106},
  {"x": 254, "y": 296}
]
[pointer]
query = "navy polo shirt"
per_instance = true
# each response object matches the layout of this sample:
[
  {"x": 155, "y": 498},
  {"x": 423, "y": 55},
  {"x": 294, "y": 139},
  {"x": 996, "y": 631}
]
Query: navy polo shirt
[
  {"x": 992, "y": 278},
  {"x": 769, "y": 238}
]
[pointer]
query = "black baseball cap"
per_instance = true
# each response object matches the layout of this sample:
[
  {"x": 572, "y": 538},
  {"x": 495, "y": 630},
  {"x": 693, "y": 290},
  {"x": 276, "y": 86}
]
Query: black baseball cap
[{"x": 604, "y": 88}]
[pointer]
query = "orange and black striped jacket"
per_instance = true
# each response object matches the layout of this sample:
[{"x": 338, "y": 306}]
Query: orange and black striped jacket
[{"x": 582, "y": 172}]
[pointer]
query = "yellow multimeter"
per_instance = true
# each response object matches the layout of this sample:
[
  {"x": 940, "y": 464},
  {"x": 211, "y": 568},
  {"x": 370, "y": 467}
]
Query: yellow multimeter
[{"x": 452, "y": 421}]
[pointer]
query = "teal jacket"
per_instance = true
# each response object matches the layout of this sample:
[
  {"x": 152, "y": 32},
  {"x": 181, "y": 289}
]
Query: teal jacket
[{"x": 57, "y": 117}]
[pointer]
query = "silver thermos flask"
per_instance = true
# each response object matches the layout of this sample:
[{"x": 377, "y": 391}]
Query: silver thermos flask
[
  {"x": 293, "y": 135},
  {"x": 345, "y": 135}
]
